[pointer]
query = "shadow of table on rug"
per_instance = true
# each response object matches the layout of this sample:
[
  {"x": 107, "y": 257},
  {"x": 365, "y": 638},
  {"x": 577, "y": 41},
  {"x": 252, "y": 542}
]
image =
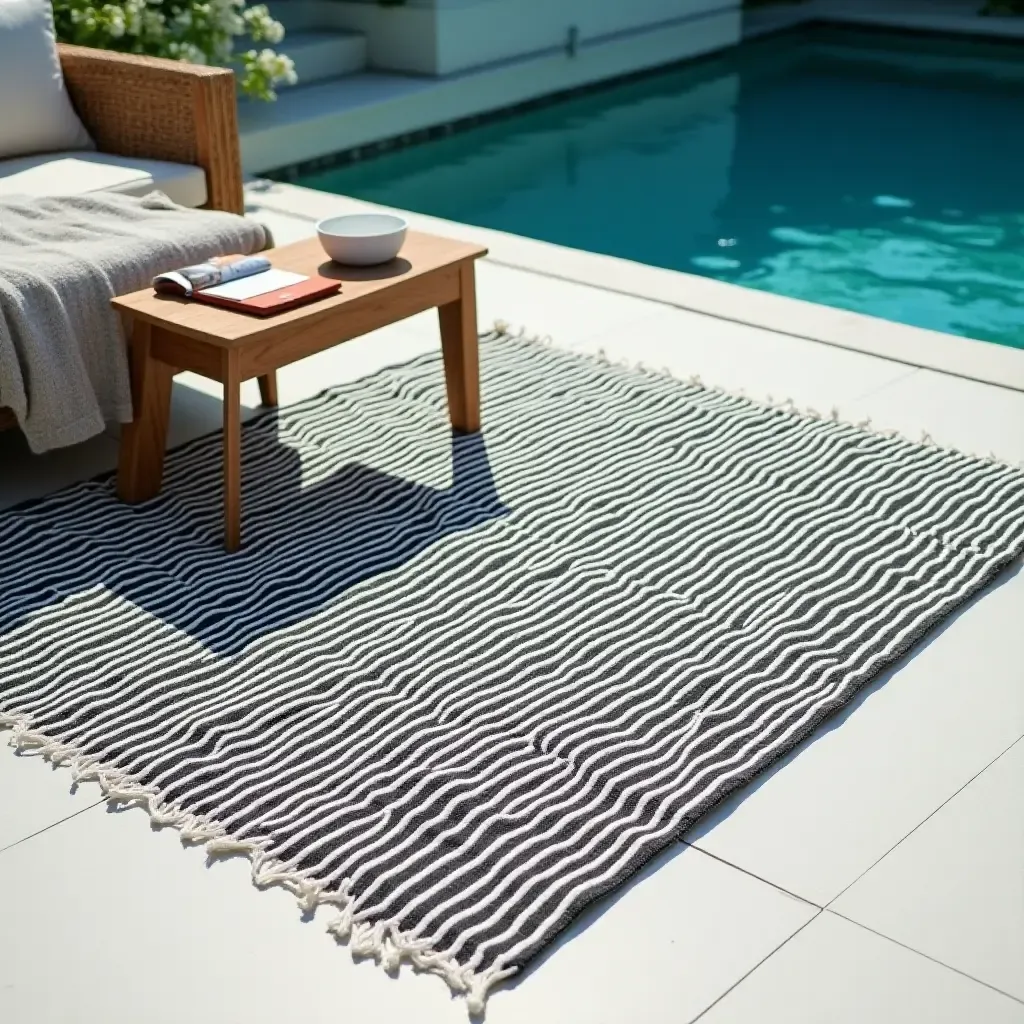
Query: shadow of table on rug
[{"x": 306, "y": 543}]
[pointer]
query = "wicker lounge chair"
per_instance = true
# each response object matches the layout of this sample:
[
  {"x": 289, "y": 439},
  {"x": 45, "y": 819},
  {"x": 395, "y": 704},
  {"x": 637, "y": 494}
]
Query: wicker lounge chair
[
  {"x": 150, "y": 108},
  {"x": 162, "y": 110}
]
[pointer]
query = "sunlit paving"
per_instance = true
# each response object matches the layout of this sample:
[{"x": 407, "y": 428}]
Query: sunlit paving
[{"x": 511, "y": 511}]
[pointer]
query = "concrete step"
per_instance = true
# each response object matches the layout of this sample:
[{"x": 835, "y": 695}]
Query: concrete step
[
  {"x": 307, "y": 15},
  {"x": 324, "y": 53}
]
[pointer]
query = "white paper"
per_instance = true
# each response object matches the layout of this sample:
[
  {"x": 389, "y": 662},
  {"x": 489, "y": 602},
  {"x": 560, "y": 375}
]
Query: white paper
[{"x": 257, "y": 284}]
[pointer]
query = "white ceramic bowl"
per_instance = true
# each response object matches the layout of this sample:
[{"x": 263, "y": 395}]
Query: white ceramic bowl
[{"x": 362, "y": 239}]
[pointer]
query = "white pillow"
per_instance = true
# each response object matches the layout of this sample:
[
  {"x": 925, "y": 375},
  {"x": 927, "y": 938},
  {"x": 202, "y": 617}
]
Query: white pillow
[{"x": 36, "y": 115}]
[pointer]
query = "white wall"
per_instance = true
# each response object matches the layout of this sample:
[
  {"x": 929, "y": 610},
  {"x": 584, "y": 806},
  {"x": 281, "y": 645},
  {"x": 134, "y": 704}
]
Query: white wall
[
  {"x": 442, "y": 37},
  {"x": 476, "y": 32}
]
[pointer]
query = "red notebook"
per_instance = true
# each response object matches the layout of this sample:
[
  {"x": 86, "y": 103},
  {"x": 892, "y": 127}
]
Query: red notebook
[{"x": 276, "y": 301}]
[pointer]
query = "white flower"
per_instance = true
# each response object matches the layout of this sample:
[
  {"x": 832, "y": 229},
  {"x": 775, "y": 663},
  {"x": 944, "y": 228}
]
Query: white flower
[
  {"x": 187, "y": 52},
  {"x": 199, "y": 31},
  {"x": 225, "y": 18},
  {"x": 287, "y": 73},
  {"x": 133, "y": 16},
  {"x": 262, "y": 26},
  {"x": 267, "y": 61},
  {"x": 154, "y": 24}
]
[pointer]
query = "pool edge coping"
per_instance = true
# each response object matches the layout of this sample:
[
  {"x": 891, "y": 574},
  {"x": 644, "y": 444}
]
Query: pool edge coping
[
  {"x": 973, "y": 359},
  {"x": 982, "y": 361}
]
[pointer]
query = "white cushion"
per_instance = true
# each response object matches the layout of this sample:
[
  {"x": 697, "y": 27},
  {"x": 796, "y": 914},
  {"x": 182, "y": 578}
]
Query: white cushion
[
  {"x": 66, "y": 174},
  {"x": 36, "y": 115}
]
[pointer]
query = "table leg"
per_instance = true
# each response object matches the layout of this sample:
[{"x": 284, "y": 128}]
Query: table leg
[
  {"x": 144, "y": 441},
  {"x": 268, "y": 388},
  {"x": 232, "y": 452},
  {"x": 459, "y": 346}
]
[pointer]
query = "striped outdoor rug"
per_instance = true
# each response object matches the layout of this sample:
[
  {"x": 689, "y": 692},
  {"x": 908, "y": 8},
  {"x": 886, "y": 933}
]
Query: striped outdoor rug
[{"x": 460, "y": 689}]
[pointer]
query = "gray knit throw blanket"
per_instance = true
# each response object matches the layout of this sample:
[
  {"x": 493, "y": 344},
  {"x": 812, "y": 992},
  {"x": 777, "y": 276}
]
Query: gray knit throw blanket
[{"x": 63, "y": 368}]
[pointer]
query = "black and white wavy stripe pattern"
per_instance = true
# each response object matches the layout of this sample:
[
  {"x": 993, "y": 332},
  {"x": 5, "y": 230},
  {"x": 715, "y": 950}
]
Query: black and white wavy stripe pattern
[{"x": 461, "y": 688}]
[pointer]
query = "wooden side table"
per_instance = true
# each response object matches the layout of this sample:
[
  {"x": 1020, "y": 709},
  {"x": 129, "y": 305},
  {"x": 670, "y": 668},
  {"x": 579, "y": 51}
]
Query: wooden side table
[{"x": 170, "y": 335}]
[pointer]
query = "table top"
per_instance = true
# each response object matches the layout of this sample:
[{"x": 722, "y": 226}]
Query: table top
[{"x": 420, "y": 255}]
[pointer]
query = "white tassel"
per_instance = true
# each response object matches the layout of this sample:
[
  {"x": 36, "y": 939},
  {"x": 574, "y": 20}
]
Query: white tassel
[
  {"x": 223, "y": 846},
  {"x": 308, "y": 895},
  {"x": 341, "y": 926},
  {"x": 389, "y": 958},
  {"x": 383, "y": 940}
]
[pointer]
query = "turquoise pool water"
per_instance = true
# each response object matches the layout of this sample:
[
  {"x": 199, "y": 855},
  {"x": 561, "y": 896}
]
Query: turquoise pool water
[{"x": 872, "y": 173}]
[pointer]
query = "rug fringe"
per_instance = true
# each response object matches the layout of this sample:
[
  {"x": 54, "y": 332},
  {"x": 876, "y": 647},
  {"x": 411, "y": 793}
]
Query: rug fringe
[
  {"x": 383, "y": 941},
  {"x": 786, "y": 405}
]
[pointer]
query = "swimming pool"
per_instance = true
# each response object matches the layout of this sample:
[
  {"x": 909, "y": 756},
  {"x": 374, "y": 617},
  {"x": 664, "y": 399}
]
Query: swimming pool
[{"x": 882, "y": 174}]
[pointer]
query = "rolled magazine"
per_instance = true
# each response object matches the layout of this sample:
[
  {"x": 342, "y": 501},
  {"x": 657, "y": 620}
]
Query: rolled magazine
[{"x": 187, "y": 280}]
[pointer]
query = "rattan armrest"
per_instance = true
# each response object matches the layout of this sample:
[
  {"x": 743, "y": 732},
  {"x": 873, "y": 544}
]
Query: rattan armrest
[{"x": 163, "y": 110}]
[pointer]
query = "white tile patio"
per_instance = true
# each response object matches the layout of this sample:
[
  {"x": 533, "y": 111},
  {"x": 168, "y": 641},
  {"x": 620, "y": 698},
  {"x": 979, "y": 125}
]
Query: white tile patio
[
  {"x": 34, "y": 796},
  {"x": 908, "y": 742},
  {"x": 736, "y": 357},
  {"x": 662, "y": 951},
  {"x": 954, "y": 888},
  {"x": 104, "y": 919},
  {"x": 837, "y": 972},
  {"x": 961, "y": 413},
  {"x": 134, "y": 928}
]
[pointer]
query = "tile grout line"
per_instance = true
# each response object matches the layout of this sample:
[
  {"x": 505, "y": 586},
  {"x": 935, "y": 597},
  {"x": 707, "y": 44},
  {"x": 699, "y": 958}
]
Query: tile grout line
[
  {"x": 927, "y": 956},
  {"x": 739, "y": 981},
  {"x": 53, "y": 824},
  {"x": 898, "y": 379},
  {"x": 46, "y": 828},
  {"x": 827, "y": 905},
  {"x": 751, "y": 874},
  {"x": 952, "y": 796}
]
